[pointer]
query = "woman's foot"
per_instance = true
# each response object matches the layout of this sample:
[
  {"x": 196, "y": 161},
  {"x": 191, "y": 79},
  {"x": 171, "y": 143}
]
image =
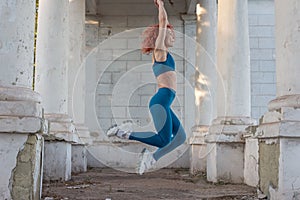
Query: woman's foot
[
  {"x": 122, "y": 131},
  {"x": 146, "y": 161}
]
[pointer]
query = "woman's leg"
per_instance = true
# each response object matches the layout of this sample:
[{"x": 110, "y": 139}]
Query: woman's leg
[
  {"x": 160, "y": 110},
  {"x": 178, "y": 139},
  {"x": 162, "y": 119}
]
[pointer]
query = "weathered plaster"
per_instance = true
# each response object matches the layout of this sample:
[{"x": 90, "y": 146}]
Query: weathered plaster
[{"x": 269, "y": 153}]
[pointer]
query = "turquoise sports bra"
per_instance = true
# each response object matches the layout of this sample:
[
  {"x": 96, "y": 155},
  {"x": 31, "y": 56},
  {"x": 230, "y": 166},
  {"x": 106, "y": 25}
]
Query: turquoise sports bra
[{"x": 162, "y": 67}]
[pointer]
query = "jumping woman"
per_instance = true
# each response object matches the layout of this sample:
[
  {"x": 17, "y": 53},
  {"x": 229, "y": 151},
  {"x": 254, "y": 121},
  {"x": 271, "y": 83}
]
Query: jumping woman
[{"x": 170, "y": 133}]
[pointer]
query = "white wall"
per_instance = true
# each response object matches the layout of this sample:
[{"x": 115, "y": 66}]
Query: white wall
[{"x": 262, "y": 55}]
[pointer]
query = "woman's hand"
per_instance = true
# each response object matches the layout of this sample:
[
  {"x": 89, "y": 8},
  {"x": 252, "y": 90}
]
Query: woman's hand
[{"x": 158, "y": 3}]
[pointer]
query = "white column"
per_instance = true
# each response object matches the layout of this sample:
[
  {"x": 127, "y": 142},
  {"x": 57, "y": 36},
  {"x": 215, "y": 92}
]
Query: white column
[
  {"x": 205, "y": 81},
  {"x": 76, "y": 82},
  {"x": 52, "y": 55},
  {"x": 52, "y": 84},
  {"x": 279, "y": 130},
  {"x": 76, "y": 69},
  {"x": 16, "y": 43},
  {"x": 21, "y": 144},
  {"x": 225, "y": 144}
]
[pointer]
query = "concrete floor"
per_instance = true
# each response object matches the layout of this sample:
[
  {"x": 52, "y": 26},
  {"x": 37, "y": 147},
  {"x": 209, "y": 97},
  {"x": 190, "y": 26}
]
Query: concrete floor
[{"x": 171, "y": 184}]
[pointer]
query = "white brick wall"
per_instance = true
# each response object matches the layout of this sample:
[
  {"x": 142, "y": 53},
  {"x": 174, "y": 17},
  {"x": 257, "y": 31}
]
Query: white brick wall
[
  {"x": 115, "y": 27},
  {"x": 262, "y": 50}
]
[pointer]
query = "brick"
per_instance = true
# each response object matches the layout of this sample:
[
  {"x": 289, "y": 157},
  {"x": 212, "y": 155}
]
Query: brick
[
  {"x": 119, "y": 112},
  {"x": 255, "y": 65},
  {"x": 261, "y": 54},
  {"x": 117, "y": 66},
  {"x": 266, "y": 20},
  {"x": 139, "y": 112},
  {"x": 120, "y": 54},
  {"x": 149, "y": 89},
  {"x": 121, "y": 31},
  {"x": 255, "y": 89},
  {"x": 105, "y": 123},
  {"x": 253, "y": 20},
  {"x": 147, "y": 57},
  {"x": 104, "y": 54},
  {"x": 261, "y": 7},
  {"x": 135, "y": 100},
  {"x": 268, "y": 89},
  {"x": 267, "y": 43},
  {"x": 255, "y": 112},
  {"x": 104, "y": 89},
  {"x": 140, "y": 21},
  {"x": 116, "y": 77},
  {"x": 134, "y": 43},
  {"x": 136, "y": 65},
  {"x": 253, "y": 42},
  {"x": 263, "y": 77},
  {"x": 134, "y": 55},
  {"x": 147, "y": 77},
  {"x": 261, "y": 31},
  {"x": 261, "y": 100},
  {"x": 145, "y": 100},
  {"x": 105, "y": 78},
  {"x": 267, "y": 65},
  {"x": 103, "y": 100},
  {"x": 101, "y": 65},
  {"x": 116, "y": 21}
]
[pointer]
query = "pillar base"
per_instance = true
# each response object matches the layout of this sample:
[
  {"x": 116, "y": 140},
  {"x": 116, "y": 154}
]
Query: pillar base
[
  {"x": 58, "y": 147},
  {"x": 61, "y": 128},
  {"x": 198, "y": 149},
  {"x": 21, "y": 143},
  {"x": 57, "y": 160},
  {"x": 251, "y": 157},
  {"x": 225, "y": 149},
  {"x": 84, "y": 134},
  {"x": 79, "y": 158},
  {"x": 279, "y": 146}
]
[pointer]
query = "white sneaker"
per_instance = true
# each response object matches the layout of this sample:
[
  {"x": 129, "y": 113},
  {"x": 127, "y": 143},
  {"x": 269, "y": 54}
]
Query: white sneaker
[
  {"x": 123, "y": 131},
  {"x": 112, "y": 131},
  {"x": 147, "y": 161},
  {"x": 126, "y": 126}
]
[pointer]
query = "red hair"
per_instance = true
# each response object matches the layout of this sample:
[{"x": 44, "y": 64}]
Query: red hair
[{"x": 149, "y": 37}]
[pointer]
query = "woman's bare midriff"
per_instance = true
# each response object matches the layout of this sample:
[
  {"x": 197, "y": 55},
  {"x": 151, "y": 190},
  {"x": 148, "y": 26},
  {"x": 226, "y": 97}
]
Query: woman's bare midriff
[{"x": 167, "y": 79}]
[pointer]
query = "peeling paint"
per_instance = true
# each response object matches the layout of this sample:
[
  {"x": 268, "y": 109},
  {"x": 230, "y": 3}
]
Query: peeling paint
[
  {"x": 23, "y": 184},
  {"x": 268, "y": 165}
]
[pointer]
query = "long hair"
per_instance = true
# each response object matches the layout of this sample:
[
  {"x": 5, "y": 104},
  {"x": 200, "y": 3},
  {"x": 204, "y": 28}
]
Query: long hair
[{"x": 149, "y": 37}]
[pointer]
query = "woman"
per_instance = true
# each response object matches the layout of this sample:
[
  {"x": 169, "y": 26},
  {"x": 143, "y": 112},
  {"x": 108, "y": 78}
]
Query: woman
[{"x": 170, "y": 133}]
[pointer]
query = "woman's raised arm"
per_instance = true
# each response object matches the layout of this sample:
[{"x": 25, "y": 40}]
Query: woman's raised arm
[{"x": 160, "y": 48}]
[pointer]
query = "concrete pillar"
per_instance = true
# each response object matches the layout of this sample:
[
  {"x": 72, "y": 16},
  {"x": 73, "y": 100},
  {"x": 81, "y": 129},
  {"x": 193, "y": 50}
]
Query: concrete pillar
[
  {"x": 76, "y": 69},
  {"x": 52, "y": 55},
  {"x": 16, "y": 43},
  {"x": 79, "y": 158},
  {"x": 21, "y": 123},
  {"x": 76, "y": 78},
  {"x": 279, "y": 130},
  {"x": 52, "y": 84},
  {"x": 225, "y": 143},
  {"x": 205, "y": 81}
]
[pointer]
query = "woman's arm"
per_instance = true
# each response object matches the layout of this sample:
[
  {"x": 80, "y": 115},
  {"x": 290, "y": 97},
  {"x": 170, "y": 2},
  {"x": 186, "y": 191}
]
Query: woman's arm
[{"x": 160, "y": 53}]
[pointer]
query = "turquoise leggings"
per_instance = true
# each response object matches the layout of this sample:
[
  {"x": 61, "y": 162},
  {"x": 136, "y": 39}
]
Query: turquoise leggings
[{"x": 170, "y": 133}]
